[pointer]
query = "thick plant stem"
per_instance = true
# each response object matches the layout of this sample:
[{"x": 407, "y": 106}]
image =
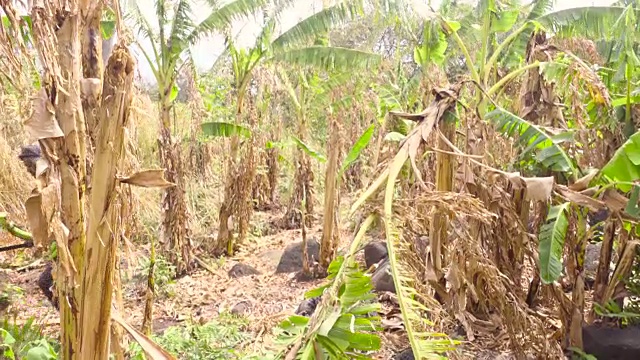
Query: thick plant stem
[
  {"x": 102, "y": 243},
  {"x": 174, "y": 206},
  {"x": 331, "y": 195},
  {"x": 444, "y": 182},
  {"x": 71, "y": 152}
]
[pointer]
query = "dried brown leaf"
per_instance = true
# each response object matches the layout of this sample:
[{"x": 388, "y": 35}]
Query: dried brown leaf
[
  {"x": 153, "y": 178},
  {"x": 42, "y": 124},
  {"x": 583, "y": 183},
  {"x": 580, "y": 198},
  {"x": 153, "y": 350},
  {"x": 539, "y": 189}
]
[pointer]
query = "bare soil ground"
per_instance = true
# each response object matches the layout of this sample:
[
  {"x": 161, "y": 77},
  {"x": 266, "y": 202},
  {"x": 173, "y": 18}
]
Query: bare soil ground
[{"x": 267, "y": 298}]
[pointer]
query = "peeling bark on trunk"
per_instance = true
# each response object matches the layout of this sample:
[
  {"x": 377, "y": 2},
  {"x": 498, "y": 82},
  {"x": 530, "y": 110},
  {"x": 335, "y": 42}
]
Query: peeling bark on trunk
[
  {"x": 102, "y": 244},
  {"x": 330, "y": 228},
  {"x": 92, "y": 64},
  {"x": 71, "y": 153},
  {"x": 303, "y": 188},
  {"x": 174, "y": 205}
]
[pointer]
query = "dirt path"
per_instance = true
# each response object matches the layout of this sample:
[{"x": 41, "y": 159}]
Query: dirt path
[{"x": 266, "y": 299}]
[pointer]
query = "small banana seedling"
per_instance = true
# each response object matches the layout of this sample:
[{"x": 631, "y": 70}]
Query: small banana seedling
[{"x": 342, "y": 326}]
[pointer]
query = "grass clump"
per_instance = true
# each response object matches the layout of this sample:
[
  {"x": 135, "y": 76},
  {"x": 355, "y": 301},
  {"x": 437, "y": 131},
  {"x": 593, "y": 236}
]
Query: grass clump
[{"x": 218, "y": 339}]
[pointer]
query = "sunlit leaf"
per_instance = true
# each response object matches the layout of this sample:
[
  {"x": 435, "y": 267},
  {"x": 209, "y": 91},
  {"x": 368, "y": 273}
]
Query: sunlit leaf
[
  {"x": 308, "y": 150},
  {"x": 357, "y": 148},
  {"x": 533, "y": 139},
  {"x": 624, "y": 166},
  {"x": 224, "y": 129},
  {"x": 552, "y": 236}
]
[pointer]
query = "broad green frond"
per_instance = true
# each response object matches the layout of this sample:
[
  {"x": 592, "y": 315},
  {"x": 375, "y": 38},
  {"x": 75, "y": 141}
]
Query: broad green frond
[
  {"x": 308, "y": 29},
  {"x": 552, "y": 236},
  {"x": 624, "y": 166},
  {"x": 222, "y": 17},
  {"x": 344, "y": 320},
  {"x": 140, "y": 24},
  {"x": 425, "y": 345},
  {"x": 328, "y": 58},
  {"x": 224, "y": 129},
  {"x": 181, "y": 26},
  {"x": 593, "y": 22},
  {"x": 539, "y": 8},
  {"x": 534, "y": 139}
]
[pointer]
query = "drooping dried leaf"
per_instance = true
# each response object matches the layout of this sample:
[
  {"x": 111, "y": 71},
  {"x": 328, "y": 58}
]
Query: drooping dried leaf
[
  {"x": 539, "y": 189},
  {"x": 614, "y": 200},
  {"x": 583, "y": 182},
  {"x": 580, "y": 198},
  {"x": 153, "y": 178},
  {"x": 153, "y": 350},
  {"x": 42, "y": 124}
]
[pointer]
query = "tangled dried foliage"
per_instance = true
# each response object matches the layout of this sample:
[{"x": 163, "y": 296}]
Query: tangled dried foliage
[
  {"x": 487, "y": 301},
  {"x": 15, "y": 182}
]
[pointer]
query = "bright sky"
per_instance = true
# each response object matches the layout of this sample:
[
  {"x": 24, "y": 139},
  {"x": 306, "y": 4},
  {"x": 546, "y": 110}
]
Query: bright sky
[{"x": 208, "y": 51}]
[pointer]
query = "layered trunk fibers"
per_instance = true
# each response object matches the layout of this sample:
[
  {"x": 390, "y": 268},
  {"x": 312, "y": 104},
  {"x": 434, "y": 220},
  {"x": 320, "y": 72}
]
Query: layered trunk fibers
[
  {"x": 71, "y": 152},
  {"x": 174, "y": 205},
  {"x": 303, "y": 189},
  {"x": 331, "y": 228},
  {"x": 102, "y": 243}
]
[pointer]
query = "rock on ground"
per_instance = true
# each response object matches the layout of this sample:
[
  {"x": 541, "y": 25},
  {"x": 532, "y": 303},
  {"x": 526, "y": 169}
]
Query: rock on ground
[
  {"x": 45, "y": 283},
  {"x": 374, "y": 252},
  {"x": 240, "y": 270},
  {"x": 291, "y": 260},
  {"x": 611, "y": 343},
  {"x": 406, "y": 354},
  {"x": 382, "y": 280},
  {"x": 308, "y": 306}
]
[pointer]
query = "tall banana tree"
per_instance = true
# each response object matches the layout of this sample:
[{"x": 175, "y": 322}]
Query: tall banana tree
[
  {"x": 170, "y": 40},
  {"x": 293, "y": 48}
]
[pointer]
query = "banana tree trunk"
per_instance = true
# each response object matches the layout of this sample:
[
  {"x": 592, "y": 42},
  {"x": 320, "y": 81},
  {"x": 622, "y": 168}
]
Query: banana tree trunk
[
  {"x": 70, "y": 151},
  {"x": 174, "y": 206},
  {"x": 330, "y": 227},
  {"x": 92, "y": 64},
  {"x": 444, "y": 182},
  {"x": 303, "y": 183},
  {"x": 102, "y": 243}
]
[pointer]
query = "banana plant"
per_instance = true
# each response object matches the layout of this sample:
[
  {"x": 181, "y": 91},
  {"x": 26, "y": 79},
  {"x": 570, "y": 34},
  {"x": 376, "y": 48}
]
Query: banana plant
[
  {"x": 344, "y": 323},
  {"x": 171, "y": 40}
]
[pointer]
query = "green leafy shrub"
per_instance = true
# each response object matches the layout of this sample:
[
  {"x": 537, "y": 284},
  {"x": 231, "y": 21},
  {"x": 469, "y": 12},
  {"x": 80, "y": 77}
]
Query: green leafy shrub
[
  {"x": 25, "y": 342},
  {"x": 217, "y": 339}
]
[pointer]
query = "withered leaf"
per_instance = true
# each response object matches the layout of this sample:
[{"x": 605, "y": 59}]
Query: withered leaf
[
  {"x": 153, "y": 350},
  {"x": 539, "y": 188},
  {"x": 580, "y": 198},
  {"x": 583, "y": 182},
  {"x": 153, "y": 178},
  {"x": 42, "y": 124}
]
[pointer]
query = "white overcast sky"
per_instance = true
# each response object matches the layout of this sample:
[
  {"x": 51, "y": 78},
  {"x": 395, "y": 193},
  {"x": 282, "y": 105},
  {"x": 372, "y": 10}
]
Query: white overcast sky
[{"x": 208, "y": 50}]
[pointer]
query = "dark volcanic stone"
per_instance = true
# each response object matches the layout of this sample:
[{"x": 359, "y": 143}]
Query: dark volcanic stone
[
  {"x": 406, "y": 354},
  {"x": 241, "y": 308},
  {"x": 46, "y": 284},
  {"x": 240, "y": 270},
  {"x": 374, "y": 252},
  {"x": 291, "y": 259},
  {"x": 610, "y": 343},
  {"x": 308, "y": 306},
  {"x": 382, "y": 280}
]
